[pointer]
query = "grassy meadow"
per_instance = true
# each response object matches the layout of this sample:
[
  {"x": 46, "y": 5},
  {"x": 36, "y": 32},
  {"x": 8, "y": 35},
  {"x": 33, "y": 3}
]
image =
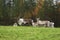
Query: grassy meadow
[{"x": 29, "y": 33}]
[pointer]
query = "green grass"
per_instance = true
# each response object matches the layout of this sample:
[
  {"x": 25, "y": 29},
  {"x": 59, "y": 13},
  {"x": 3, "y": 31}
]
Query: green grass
[{"x": 29, "y": 33}]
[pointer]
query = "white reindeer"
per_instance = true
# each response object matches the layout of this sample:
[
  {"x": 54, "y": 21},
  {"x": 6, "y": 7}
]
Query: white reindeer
[
  {"x": 15, "y": 24},
  {"x": 52, "y": 24},
  {"x": 43, "y": 23},
  {"x": 46, "y": 23},
  {"x": 20, "y": 21},
  {"x": 34, "y": 24}
]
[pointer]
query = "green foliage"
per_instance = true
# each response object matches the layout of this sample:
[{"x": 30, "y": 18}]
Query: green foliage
[
  {"x": 46, "y": 10},
  {"x": 29, "y": 33},
  {"x": 50, "y": 12},
  {"x": 8, "y": 13},
  {"x": 1, "y": 1},
  {"x": 30, "y": 4}
]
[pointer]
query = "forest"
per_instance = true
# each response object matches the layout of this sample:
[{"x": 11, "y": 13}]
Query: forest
[{"x": 12, "y": 10}]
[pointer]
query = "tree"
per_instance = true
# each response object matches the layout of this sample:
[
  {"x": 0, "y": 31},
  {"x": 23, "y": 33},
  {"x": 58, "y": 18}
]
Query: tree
[
  {"x": 7, "y": 12},
  {"x": 46, "y": 10},
  {"x": 50, "y": 11},
  {"x": 1, "y": 1}
]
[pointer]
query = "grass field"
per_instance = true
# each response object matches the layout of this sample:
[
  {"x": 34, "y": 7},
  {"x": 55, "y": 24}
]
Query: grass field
[{"x": 29, "y": 33}]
